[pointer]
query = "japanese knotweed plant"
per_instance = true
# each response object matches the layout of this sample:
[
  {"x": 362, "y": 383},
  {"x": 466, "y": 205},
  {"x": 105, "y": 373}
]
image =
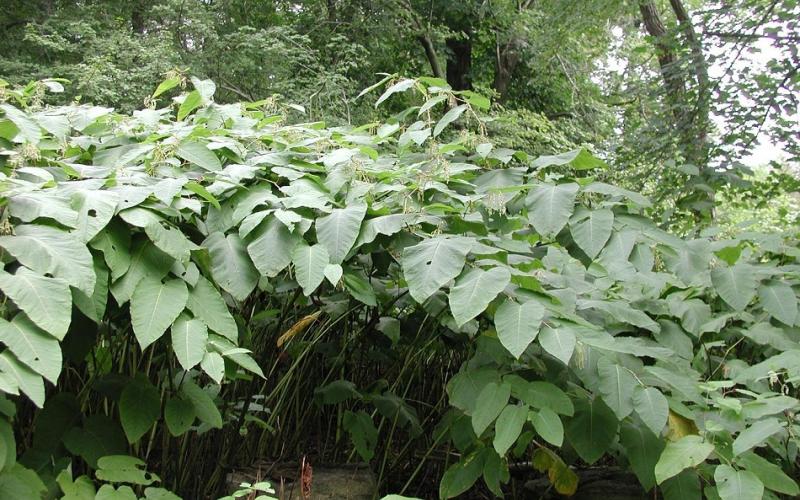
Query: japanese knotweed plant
[{"x": 591, "y": 332}]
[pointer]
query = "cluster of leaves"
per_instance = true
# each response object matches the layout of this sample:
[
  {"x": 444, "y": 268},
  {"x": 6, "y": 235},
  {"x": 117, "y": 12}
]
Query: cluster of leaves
[
  {"x": 592, "y": 332},
  {"x": 756, "y": 43},
  {"x": 766, "y": 201},
  {"x": 115, "y": 53}
]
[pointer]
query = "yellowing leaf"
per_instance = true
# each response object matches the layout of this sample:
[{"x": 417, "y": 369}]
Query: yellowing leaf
[
  {"x": 560, "y": 475},
  {"x": 679, "y": 426},
  {"x": 298, "y": 327},
  {"x": 563, "y": 479}
]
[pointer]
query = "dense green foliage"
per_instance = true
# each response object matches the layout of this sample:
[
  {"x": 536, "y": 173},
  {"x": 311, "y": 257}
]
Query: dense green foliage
[
  {"x": 186, "y": 241},
  {"x": 674, "y": 92}
]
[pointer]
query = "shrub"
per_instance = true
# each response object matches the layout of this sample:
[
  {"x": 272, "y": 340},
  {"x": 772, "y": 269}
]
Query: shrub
[{"x": 587, "y": 331}]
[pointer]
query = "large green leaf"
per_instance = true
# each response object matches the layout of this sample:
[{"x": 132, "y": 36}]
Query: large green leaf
[
  {"x": 385, "y": 224},
  {"x": 474, "y": 290},
  {"x": 579, "y": 159},
  {"x": 95, "y": 209},
  {"x": 108, "y": 492},
  {"x": 45, "y": 249},
  {"x": 32, "y": 346},
  {"x": 615, "y": 191},
  {"x": 94, "y": 307},
  {"x": 153, "y": 493},
  {"x": 46, "y": 301},
  {"x": 550, "y": 207},
  {"x": 622, "y": 312},
  {"x": 203, "y": 193},
  {"x": 462, "y": 475},
  {"x": 189, "y": 337},
  {"x": 333, "y": 273},
  {"x": 735, "y": 284},
  {"x": 508, "y": 427},
  {"x": 399, "y": 86},
  {"x": 123, "y": 469},
  {"x": 766, "y": 334},
  {"x": 558, "y": 341},
  {"x": 170, "y": 240},
  {"x": 230, "y": 265},
  {"x": 518, "y": 324},
  {"x": 592, "y": 430},
  {"x": 652, "y": 407},
  {"x": 336, "y": 392},
  {"x": 115, "y": 243},
  {"x": 768, "y": 404},
  {"x": 214, "y": 366},
  {"x": 689, "y": 261},
  {"x": 244, "y": 204},
  {"x": 448, "y": 118},
  {"x": 270, "y": 246},
  {"x": 205, "y": 87},
  {"x": 769, "y": 473},
  {"x": 25, "y": 378},
  {"x": 309, "y": 266},
  {"x": 207, "y": 304},
  {"x": 203, "y": 404},
  {"x": 115, "y": 156},
  {"x": 168, "y": 84},
  {"x": 179, "y": 416},
  {"x": 466, "y": 385},
  {"x": 683, "y": 384},
  {"x": 684, "y": 486},
  {"x": 146, "y": 261},
  {"x": 756, "y": 435},
  {"x": 617, "y": 386},
  {"x": 360, "y": 288},
  {"x": 8, "y": 449},
  {"x": 431, "y": 263},
  {"x": 199, "y": 154},
  {"x": 155, "y": 306},
  {"x": 735, "y": 484},
  {"x": 61, "y": 412},
  {"x": 779, "y": 300},
  {"x": 643, "y": 449},
  {"x": 540, "y": 394},
  {"x": 491, "y": 401},
  {"x": 191, "y": 102},
  {"x": 362, "y": 432},
  {"x": 548, "y": 425},
  {"x": 338, "y": 231},
  {"x": 688, "y": 451},
  {"x": 100, "y": 436},
  {"x": 80, "y": 489},
  {"x": 397, "y": 409},
  {"x": 495, "y": 472},
  {"x": 29, "y": 130},
  {"x": 592, "y": 233},
  {"x": 29, "y": 207},
  {"x": 139, "y": 408}
]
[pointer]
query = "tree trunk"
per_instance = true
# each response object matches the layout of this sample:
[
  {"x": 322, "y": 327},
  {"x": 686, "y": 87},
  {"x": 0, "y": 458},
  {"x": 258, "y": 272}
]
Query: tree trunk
[
  {"x": 506, "y": 60},
  {"x": 507, "y": 57},
  {"x": 423, "y": 36},
  {"x": 666, "y": 55},
  {"x": 331, "y": 7},
  {"x": 459, "y": 63},
  {"x": 700, "y": 116},
  {"x": 691, "y": 120},
  {"x": 430, "y": 53},
  {"x": 137, "y": 17}
]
